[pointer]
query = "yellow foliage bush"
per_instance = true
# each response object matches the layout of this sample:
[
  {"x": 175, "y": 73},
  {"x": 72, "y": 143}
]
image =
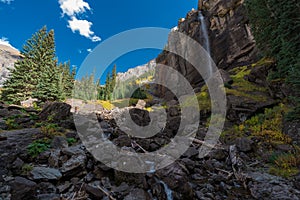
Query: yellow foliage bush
[
  {"x": 244, "y": 88},
  {"x": 106, "y": 104},
  {"x": 266, "y": 126},
  {"x": 286, "y": 164},
  {"x": 203, "y": 99}
]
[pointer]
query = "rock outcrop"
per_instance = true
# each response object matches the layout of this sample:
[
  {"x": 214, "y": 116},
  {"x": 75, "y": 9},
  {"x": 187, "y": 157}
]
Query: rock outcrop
[
  {"x": 8, "y": 56},
  {"x": 136, "y": 71},
  {"x": 231, "y": 40}
]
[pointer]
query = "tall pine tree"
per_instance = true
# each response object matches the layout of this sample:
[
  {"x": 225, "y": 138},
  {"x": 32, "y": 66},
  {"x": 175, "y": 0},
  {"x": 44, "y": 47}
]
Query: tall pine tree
[
  {"x": 36, "y": 75},
  {"x": 48, "y": 87},
  {"x": 66, "y": 78}
]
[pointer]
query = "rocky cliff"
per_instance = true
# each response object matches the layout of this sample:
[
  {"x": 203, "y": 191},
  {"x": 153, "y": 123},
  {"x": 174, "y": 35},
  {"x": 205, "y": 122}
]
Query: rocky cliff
[
  {"x": 136, "y": 71},
  {"x": 231, "y": 40},
  {"x": 8, "y": 56}
]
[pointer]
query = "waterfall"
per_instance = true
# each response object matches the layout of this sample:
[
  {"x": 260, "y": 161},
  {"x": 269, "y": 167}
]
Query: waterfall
[
  {"x": 206, "y": 44},
  {"x": 168, "y": 191}
]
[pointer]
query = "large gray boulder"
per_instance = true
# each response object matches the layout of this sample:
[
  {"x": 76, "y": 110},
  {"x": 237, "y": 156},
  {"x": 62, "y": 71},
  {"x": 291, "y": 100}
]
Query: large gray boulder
[{"x": 55, "y": 111}]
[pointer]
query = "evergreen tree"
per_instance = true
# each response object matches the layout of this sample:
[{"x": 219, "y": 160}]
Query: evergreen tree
[
  {"x": 86, "y": 88},
  {"x": 20, "y": 85},
  {"x": 36, "y": 74},
  {"x": 48, "y": 87},
  {"x": 276, "y": 26},
  {"x": 108, "y": 84},
  {"x": 24, "y": 77},
  {"x": 66, "y": 78},
  {"x": 113, "y": 77}
]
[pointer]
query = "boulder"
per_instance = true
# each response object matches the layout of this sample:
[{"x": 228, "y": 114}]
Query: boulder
[
  {"x": 55, "y": 111},
  {"x": 140, "y": 117},
  {"x": 22, "y": 188},
  {"x": 266, "y": 186},
  {"x": 48, "y": 197},
  {"x": 175, "y": 176},
  {"x": 244, "y": 144},
  {"x": 137, "y": 194},
  {"x": 191, "y": 152},
  {"x": 3, "y": 125},
  {"x": 46, "y": 188},
  {"x": 74, "y": 166},
  {"x": 122, "y": 141},
  {"x": 15, "y": 145},
  {"x": 93, "y": 189},
  {"x": 17, "y": 164},
  {"x": 43, "y": 173},
  {"x": 74, "y": 150},
  {"x": 3, "y": 112},
  {"x": 59, "y": 142}
]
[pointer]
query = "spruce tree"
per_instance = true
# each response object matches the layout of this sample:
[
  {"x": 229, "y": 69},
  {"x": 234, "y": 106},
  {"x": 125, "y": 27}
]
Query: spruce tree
[
  {"x": 66, "y": 78},
  {"x": 48, "y": 87},
  {"x": 24, "y": 77},
  {"x": 113, "y": 77},
  {"x": 36, "y": 75},
  {"x": 108, "y": 84}
]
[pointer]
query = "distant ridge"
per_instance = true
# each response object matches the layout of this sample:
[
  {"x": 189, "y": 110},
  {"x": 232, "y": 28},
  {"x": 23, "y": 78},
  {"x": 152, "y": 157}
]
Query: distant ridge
[
  {"x": 137, "y": 71},
  {"x": 8, "y": 56}
]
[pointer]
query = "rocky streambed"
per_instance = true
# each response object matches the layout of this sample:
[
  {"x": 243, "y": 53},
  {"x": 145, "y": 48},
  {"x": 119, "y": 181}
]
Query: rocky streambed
[{"x": 66, "y": 170}]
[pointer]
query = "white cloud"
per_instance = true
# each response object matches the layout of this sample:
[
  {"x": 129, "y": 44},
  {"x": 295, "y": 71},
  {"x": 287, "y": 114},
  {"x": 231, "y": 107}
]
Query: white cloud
[
  {"x": 83, "y": 27},
  {"x": 96, "y": 38},
  {"x": 73, "y": 7},
  {"x": 89, "y": 50},
  {"x": 6, "y": 1}
]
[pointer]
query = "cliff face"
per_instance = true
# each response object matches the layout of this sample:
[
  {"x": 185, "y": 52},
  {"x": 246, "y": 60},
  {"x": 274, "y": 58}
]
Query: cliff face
[
  {"x": 136, "y": 71},
  {"x": 231, "y": 38},
  {"x": 231, "y": 41},
  {"x": 8, "y": 56}
]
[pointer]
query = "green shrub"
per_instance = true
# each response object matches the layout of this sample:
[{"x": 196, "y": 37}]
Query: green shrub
[
  {"x": 50, "y": 130},
  {"x": 38, "y": 146},
  {"x": 71, "y": 141},
  {"x": 11, "y": 124},
  {"x": 26, "y": 169}
]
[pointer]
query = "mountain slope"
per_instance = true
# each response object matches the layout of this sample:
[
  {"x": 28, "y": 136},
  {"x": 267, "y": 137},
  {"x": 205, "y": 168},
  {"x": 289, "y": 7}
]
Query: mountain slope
[
  {"x": 8, "y": 56},
  {"x": 136, "y": 71}
]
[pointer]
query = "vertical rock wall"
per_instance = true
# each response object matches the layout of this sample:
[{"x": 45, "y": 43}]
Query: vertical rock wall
[{"x": 231, "y": 40}]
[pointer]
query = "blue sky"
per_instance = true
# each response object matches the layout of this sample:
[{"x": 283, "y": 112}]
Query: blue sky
[{"x": 81, "y": 25}]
